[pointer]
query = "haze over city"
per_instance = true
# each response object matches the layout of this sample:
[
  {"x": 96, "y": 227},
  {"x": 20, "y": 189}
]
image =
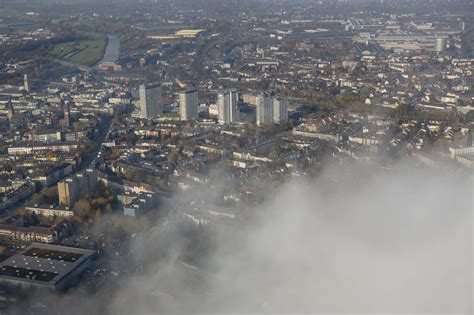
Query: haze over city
[{"x": 256, "y": 156}]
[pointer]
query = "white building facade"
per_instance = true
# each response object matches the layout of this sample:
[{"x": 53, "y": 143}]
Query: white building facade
[
  {"x": 227, "y": 104},
  {"x": 151, "y": 105},
  {"x": 188, "y": 105}
]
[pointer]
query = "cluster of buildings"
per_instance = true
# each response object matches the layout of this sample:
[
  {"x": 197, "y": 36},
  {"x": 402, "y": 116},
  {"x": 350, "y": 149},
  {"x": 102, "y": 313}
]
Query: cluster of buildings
[
  {"x": 136, "y": 204},
  {"x": 271, "y": 109}
]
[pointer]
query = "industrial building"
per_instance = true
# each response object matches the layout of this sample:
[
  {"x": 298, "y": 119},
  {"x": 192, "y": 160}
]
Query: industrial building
[{"x": 43, "y": 266}]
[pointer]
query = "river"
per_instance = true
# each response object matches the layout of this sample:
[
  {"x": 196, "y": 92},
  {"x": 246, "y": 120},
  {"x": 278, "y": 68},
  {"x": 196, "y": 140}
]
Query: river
[{"x": 112, "y": 50}]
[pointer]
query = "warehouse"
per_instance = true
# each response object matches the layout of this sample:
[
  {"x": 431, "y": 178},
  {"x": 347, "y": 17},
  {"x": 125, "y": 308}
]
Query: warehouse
[{"x": 45, "y": 266}]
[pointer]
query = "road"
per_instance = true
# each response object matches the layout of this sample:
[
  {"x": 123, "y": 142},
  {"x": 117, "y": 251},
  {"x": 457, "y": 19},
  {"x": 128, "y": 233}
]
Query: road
[
  {"x": 198, "y": 63},
  {"x": 71, "y": 64},
  {"x": 104, "y": 130}
]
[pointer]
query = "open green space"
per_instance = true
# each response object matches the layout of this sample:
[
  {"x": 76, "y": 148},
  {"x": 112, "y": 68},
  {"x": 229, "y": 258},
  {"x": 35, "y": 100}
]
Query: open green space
[{"x": 84, "y": 52}]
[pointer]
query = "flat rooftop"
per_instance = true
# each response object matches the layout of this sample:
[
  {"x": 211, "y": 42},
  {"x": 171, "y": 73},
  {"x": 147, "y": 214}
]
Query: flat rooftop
[{"x": 43, "y": 264}]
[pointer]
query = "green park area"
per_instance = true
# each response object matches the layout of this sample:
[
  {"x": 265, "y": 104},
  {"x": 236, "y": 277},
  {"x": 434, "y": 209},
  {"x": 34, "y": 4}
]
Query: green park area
[{"x": 83, "y": 52}]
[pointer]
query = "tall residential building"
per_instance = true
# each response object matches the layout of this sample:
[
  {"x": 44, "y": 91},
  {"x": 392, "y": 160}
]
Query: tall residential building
[
  {"x": 280, "y": 110},
  {"x": 150, "y": 100},
  {"x": 71, "y": 189},
  {"x": 66, "y": 121},
  {"x": 11, "y": 111},
  {"x": 440, "y": 44},
  {"x": 188, "y": 104},
  {"x": 271, "y": 108},
  {"x": 68, "y": 191},
  {"x": 227, "y": 104},
  {"x": 264, "y": 108},
  {"x": 26, "y": 83}
]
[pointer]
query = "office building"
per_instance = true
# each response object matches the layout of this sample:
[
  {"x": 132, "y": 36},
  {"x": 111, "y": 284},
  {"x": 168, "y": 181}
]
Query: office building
[
  {"x": 227, "y": 105},
  {"x": 188, "y": 105},
  {"x": 150, "y": 100}
]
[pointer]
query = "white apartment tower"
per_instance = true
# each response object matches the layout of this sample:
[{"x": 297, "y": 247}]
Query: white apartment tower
[
  {"x": 264, "y": 103},
  {"x": 271, "y": 109},
  {"x": 150, "y": 100},
  {"x": 188, "y": 104},
  {"x": 227, "y": 106},
  {"x": 26, "y": 83},
  {"x": 280, "y": 110}
]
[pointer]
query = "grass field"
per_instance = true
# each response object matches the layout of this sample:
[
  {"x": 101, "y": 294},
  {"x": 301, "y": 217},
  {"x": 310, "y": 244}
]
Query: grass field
[{"x": 85, "y": 52}]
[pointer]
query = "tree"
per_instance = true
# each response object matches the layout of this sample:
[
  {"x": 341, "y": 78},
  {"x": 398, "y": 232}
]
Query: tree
[
  {"x": 108, "y": 209},
  {"x": 173, "y": 157},
  {"x": 48, "y": 195},
  {"x": 131, "y": 138},
  {"x": 83, "y": 207},
  {"x": 274, "y": 153},
  {"x": 38, "y": 199},
  {"x": 51, "y": 194},
  {"x": 99, "y": 202},
  {"x": 31, "y": 219}
]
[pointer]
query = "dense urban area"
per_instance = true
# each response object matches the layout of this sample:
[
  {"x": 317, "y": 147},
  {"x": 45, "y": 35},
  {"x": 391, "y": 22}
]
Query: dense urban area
[{"x": 122, "y": 119}]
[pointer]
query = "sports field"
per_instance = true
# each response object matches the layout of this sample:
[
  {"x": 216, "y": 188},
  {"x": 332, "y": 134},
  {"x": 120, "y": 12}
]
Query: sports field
[{"x": 84, "y": 52}]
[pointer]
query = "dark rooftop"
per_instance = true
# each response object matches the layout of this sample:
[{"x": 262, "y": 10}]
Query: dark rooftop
[{"x": 43, "y": 263}]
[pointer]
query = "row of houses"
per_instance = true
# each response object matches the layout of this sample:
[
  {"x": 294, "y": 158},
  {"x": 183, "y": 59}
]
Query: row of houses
[
  {"x": 14, "y": 196},
  {"x": 51, "y": 235}
]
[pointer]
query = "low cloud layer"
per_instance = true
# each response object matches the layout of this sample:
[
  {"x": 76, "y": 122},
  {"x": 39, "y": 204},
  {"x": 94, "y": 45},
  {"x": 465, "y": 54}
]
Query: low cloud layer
[
  {"x": 358, "y": 239},
  {"x": 363, "y": 240}
]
